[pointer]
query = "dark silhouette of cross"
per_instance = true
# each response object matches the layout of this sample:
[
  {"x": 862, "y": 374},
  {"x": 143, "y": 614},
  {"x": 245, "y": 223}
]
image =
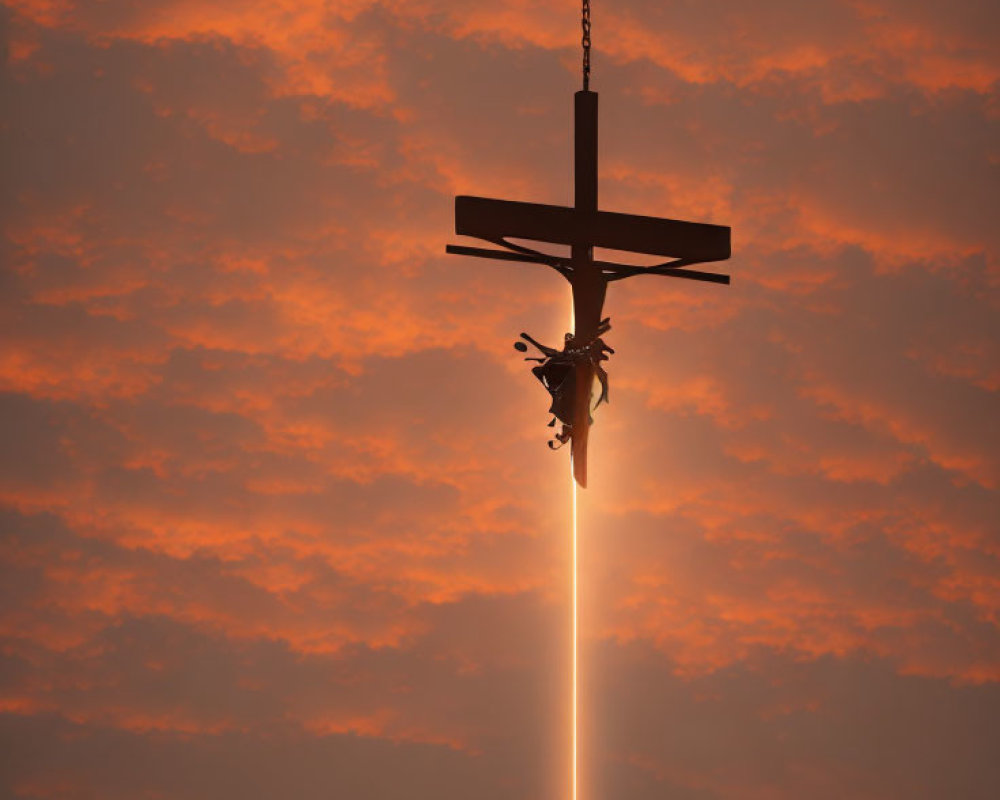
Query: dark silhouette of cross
[{"x": 583, "y": 227}]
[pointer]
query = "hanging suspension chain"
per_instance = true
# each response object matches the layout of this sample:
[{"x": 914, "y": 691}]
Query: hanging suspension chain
[{"x": 586, "y": 45}]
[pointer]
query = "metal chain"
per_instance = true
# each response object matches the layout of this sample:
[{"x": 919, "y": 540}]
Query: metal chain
[{"x": 586, "y": 45}]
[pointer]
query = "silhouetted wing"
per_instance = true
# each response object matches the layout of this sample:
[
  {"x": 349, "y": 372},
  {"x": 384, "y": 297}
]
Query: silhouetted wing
[{"x": 494, "y": 220}]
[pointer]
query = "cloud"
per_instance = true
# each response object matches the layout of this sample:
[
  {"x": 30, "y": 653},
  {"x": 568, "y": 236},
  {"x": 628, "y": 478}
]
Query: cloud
[{"x": 277, "y": 507}]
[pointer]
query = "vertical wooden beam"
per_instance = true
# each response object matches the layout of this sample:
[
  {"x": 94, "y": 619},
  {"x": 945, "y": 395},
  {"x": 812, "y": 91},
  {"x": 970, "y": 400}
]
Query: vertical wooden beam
[
  {"x": 589, "y": 286},
  {"x": 585, "y": 119}
]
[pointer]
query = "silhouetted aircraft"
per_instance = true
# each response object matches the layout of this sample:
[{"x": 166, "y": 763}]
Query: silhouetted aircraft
[{"x": 568, "y": 373}]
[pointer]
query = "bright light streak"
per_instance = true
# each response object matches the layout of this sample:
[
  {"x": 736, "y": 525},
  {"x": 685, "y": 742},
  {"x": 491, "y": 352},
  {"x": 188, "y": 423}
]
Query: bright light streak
[
  {"x": 575, "y": 604},
  {"x": 576, "y": 648}
]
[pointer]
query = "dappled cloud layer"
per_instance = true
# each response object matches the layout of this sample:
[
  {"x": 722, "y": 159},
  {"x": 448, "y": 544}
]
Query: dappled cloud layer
[{"x": 278, "y": 519}]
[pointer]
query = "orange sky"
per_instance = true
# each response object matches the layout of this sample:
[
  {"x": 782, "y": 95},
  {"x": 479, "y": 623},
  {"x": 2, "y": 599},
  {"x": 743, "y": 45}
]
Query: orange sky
[{"x": 258, "y": 540}]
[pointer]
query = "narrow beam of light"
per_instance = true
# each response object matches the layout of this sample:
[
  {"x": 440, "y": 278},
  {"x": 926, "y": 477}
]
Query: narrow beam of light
[
  {"x": 574, "y": 780},
  {"x": 576, "y": 648}
]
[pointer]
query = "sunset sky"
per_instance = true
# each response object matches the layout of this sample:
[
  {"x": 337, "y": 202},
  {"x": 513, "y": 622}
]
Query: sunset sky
[{"x": 278, "y": 517}]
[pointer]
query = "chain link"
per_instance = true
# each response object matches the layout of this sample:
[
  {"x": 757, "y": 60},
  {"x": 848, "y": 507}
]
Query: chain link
[{"x": 586, "y": 45}]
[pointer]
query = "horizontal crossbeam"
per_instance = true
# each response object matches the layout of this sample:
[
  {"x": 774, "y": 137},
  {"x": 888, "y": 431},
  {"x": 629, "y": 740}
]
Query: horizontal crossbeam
[
  {"x": 492, "y": 220},
  {"x": 612, "y": 270},
  {"x": 500, "y": 255},
  {"x": 619, "y": 271}
]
